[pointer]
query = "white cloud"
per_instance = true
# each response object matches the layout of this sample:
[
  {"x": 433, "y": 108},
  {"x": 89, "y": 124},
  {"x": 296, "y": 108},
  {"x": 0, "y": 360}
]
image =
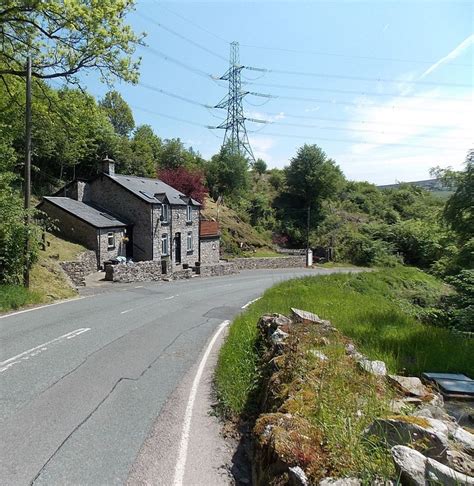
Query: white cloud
[
  {"x": 456, "y": 52},
  {"x": 404, "y": 137},
  {"x": 261, "y": 147}
]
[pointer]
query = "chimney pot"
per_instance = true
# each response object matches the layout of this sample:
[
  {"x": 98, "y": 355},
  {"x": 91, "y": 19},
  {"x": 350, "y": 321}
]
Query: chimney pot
[{"x": 108, "y": 166}]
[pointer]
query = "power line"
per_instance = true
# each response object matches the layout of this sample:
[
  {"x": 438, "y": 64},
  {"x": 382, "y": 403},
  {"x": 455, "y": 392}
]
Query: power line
[
  {"x": 347, "y": 56},
  {"x": 342, "y": 91},
  {"x": 345, "y": 103},
  {"x": 182, "y": 120},
  {"x": 182, "y": 17},
  {"x": 177, "y": 34},
  {"x": 352, "y": 78},
  {"x": 179, "y": 63},
  {"x": 174, "y": 95}
]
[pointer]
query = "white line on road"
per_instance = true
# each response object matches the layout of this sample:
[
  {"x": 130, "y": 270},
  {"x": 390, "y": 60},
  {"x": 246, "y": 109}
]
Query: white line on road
[
  {"x": 8, "y": 363},
  {"x": 250, "y": 302},
  {"x": 125, "y": 311},
  {"x": 183, "y": 445},
  {"x": 169, "y": 298},
  {"x": 42, "y": 307}
]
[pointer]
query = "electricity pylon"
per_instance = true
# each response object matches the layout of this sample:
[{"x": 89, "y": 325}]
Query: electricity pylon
[{"x": 235, "y": 132}]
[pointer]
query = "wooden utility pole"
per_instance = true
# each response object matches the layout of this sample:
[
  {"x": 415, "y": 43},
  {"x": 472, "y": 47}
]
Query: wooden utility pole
[
  {"x": 26, "y": 270},
  {"x": 308, "y": 222}
]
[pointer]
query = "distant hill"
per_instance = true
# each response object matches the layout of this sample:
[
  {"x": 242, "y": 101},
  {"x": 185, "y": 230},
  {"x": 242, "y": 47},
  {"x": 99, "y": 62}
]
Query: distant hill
[{"x": 433, "y": 185}]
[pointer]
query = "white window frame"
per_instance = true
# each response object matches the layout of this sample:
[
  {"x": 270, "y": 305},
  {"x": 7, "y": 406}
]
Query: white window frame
[
  {"x": 165, "y": 213},
  {"x": 189, "y": 213},
  {"x": 189, "y": 242},
  {"x": 165, "y": 247},
  {"x": 110, "y": 235}
]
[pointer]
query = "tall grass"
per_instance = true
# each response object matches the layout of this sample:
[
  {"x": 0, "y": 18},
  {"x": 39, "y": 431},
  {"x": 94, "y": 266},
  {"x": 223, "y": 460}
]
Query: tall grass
[
  {"x": 378, "y": 310},
  {"x": 15, "y": 296}
]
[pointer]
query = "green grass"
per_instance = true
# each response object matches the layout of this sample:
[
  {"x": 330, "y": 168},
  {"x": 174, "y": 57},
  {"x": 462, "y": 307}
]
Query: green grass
[
  {"x": 375, "y": 309},
  {"x": 262, "y": 254},
  {"x": 14, "y": 297},
  {"x": 47, "y": 281}
]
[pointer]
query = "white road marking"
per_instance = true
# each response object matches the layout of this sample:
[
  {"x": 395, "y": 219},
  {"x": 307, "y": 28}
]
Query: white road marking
[
  {"x": 184, "y": 442},
  {"x": 125, "y": 311},
  {"x": 138, "y": 287},
  {"x": 169, "y": 298},
  {"x": 8, "y": 363},
  {"x": 250, "y": 302},
  {"x": 42, "y": 307}
]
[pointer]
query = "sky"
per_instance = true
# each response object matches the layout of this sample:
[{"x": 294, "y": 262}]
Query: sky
[{"x": 386, "y": 89}]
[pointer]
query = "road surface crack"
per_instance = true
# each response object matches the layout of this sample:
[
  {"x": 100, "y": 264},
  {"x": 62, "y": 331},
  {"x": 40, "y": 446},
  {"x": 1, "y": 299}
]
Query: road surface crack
[{"x": 120, "y": 380}]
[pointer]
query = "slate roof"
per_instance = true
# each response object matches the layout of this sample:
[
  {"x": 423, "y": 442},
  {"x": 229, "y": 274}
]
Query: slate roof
[
  {"x": 89, "y": 214},
  {"x": 146, "y": 189}
]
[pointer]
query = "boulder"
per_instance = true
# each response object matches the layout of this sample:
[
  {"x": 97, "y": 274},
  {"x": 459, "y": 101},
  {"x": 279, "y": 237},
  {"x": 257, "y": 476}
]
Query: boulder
[
  {"x": 340, "y": 482},
  {"x": 278, "y": 336},
  {"x": 400, "y": 405},
  {"x": 324, "y": 327},
  {"x": 410, "y": 385},
  {"x": 406, "y": 430},
  {"x": 297, "y": 477},
  {"x": 376, "y": 368},
  {"x": 414, "y": 469},
  {"x": 270, "y": 322},
  {"x": 464, "y": 438},
  {"x": 460, "y": 462},
  {"x": 438, "y": 473},
  {"x": 318, "y": 354},
  {"x": 410, "y": 465}
]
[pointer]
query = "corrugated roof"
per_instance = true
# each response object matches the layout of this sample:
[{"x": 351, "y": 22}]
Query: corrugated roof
[
  {"x": 146, "y": 189},
  {"x": 89, "y": 214},
  {"x": 209, "y": 228}
]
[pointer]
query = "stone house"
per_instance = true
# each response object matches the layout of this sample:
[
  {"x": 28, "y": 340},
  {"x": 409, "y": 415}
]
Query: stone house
[{"x": 135, "y": 217}]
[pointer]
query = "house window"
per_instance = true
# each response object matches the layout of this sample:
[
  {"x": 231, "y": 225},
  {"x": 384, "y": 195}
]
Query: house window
[
  {"x": 165, "y": 213},
  {"x": 189, "y": 242},
  {"x": 189, "y": 213},
  {"x": 164, "y": 245},
  {"x": 110, "y": 240}
]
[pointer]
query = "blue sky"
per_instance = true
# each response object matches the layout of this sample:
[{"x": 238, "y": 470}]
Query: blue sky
[{"x": 415, "y": 112}]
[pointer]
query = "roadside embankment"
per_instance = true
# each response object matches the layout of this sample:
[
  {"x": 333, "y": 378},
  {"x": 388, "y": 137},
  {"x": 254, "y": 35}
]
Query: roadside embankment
[{"x": 316, "y": 393}]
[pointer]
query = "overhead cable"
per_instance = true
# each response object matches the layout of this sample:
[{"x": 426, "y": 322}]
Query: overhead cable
[
  {"x": 177, "y": 34},
  {"x": 353, "y": 78},
  {"x": 174, "y": 95}
]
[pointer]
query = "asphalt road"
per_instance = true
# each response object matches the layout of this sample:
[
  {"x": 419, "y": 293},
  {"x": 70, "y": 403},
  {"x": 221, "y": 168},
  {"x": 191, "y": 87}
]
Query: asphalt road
[{"x": 84, "y": 383}]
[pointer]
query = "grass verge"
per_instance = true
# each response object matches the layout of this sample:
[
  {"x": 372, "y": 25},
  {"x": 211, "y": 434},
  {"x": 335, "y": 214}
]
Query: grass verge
[
  {"x": 47, "y": 280},
  {"x": 379, "y": 310}
]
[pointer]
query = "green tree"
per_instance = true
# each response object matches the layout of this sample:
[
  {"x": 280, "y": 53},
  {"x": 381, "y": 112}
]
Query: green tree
[
  {"x": 227, "y": 174},
  {"x": 65, "y": 38},
  {"x": 118, "y": 112},
  {"x": 174, "y": 155},
  {"x": 311, "y": 177},
  {"x": 146, "y": 151},
  {"x": 260, "y": 166},
  {"x": 459, "y": 209}
]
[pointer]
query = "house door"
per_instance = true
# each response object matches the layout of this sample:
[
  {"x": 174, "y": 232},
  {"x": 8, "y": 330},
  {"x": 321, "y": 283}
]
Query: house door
[
  {"x": 177, "y": 248},
  {"x": 129, "y": 243}
]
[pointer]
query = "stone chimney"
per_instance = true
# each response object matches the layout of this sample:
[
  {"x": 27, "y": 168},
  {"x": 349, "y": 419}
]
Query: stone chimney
[{"x": 108, "y": 166}]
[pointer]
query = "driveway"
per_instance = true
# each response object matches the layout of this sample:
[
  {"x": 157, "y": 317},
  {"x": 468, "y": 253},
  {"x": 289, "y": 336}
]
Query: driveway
[{"x": 85, "y": 384}]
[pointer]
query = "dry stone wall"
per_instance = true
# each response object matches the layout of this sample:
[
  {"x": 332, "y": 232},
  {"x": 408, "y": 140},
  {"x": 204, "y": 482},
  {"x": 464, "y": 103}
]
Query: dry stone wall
[
  {"x": 269, "y": 262},
  {"x": 78, "y": 270},
  {"x": 134, "y": 272}
]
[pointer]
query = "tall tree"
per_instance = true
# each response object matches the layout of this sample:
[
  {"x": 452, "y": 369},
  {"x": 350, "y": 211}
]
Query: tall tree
[
  {"x": 189, "y": 182},
  {"x": 66, "y": 37},
  {"x": 118, "y": 112}
]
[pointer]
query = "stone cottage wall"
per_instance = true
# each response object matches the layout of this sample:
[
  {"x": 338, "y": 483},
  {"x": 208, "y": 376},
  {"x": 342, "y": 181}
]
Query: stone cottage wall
[
  {"x": 119, "y": 250},
  {"x": 116, "y": 199},
  {"x": 210, "y": 250},
  {"x": 69, "y": 227}
]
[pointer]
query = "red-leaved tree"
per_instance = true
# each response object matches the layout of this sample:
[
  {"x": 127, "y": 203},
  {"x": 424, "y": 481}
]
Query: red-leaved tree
[{"x": 189, "y": 182}]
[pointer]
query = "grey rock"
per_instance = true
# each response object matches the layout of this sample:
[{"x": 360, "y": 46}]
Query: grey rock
[
  {"x": 340, "y": 482},
  {"x": 278, "y": 336},
  {"x": 376, "y": 368},
  {"x": 352, "y": 351},
  {"x": 270, "y": 322},
  {"x": 400, "y": 432},
  {"x": 318, "y": 354},
  {"x": 400, "y": 405},
  {"x": 410, "y": 465},
  {"x": 433, "y": 411},
  {"x": 410, "y": 385},
  {"x": 460, "y": 461},
  {"x": 464, "y": 438},
  {"x": 441, "y": 474},
  {"x": 297, "y": 477}
]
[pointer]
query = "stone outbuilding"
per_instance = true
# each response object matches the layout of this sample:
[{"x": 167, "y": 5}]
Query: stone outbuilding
[
  {"x": 209, "y": 235},
  {"x": 135, "y": 217}
]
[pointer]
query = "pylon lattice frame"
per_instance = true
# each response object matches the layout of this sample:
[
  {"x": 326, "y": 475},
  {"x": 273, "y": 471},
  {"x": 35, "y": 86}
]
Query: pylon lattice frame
[{"x": 235, "y": 132}]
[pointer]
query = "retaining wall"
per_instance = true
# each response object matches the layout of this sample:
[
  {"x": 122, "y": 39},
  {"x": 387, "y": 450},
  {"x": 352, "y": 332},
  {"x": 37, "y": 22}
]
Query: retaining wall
[
  {"x": 269, "y": 262},
  {"x": 78, "y": 270},
  {"x": 134, "y": 272}
]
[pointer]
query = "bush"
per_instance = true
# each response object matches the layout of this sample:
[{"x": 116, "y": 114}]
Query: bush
[{"x": 460, "y": 306}]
